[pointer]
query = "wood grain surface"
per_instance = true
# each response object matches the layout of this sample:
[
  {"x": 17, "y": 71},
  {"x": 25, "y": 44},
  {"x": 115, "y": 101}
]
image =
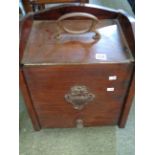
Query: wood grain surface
[
  {"x": 74, "y": 61},
  {"x": 48, "y": 86}
]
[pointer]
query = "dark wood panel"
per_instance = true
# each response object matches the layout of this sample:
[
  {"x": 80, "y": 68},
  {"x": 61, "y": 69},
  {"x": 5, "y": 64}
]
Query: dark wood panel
[
  {"x": 49, "y": 84},
  {"x": 56, "y": 12},
  {"x": 28, "y": 101},
  {"x": 25, "y": 28},
  {"x": 128, "y": 103},
  {"x": 92, "y": 114},
  {"x": 128, "y": 31}
]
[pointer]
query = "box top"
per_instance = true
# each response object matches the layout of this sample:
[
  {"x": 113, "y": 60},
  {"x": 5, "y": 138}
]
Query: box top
[{"x": 43, "y": 48}]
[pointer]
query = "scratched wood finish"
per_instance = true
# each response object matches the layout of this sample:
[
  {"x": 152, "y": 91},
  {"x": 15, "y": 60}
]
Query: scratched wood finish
[
  {"x": 43, "y": 47},
  {"x": 46, "y": 85}
]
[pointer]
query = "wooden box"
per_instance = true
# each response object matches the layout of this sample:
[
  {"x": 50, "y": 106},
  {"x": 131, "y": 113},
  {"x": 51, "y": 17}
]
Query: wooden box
[{"x": 77, "y": 66}]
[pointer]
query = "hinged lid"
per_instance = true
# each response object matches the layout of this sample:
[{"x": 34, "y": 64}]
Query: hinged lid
[{"x": 45, "y": 48}]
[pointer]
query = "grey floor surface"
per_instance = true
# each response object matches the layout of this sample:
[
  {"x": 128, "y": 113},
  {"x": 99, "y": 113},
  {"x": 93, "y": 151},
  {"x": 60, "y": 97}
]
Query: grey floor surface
[{"x": 108, "y": 140}]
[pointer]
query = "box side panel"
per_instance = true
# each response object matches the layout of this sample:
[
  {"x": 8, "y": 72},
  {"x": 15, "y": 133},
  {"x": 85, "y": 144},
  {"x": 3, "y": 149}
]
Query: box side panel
[
  {"x": 128, "y": 102},
  {"x": 28, "y": 102}
]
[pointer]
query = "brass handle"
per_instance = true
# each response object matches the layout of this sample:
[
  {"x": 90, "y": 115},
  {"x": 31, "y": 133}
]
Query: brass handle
[
  {"x": 79, "y": 96},
  {"x": 92, "y": 27}
]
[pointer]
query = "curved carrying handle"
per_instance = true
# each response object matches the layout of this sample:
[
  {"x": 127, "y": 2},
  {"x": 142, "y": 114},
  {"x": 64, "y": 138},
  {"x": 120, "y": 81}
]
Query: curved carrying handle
[{"x": 92, "y": 27}]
